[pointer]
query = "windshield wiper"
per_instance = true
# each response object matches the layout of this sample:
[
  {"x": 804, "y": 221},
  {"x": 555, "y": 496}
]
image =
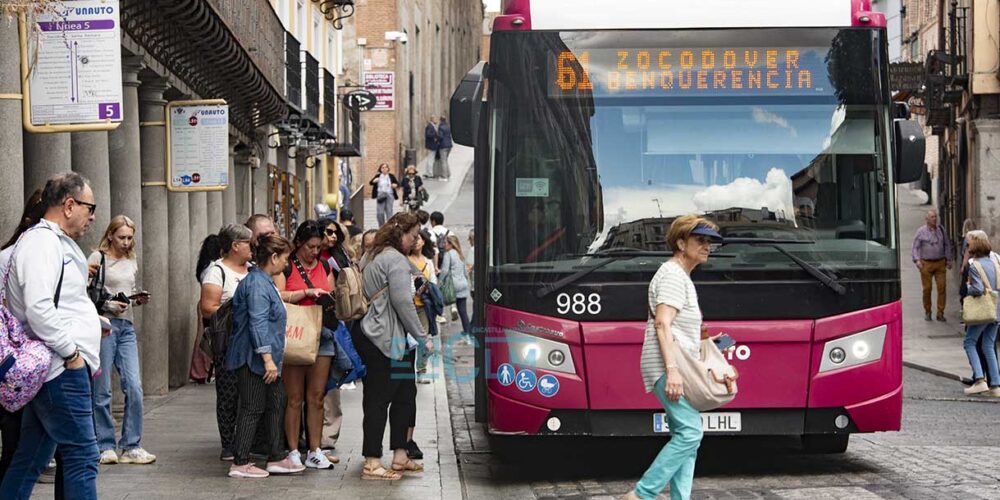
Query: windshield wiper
[
  {"x": 607, "y": 257},
  {"x": 816, "y": 272}
]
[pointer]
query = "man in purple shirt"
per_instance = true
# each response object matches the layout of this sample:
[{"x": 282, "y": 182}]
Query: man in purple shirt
[{"x": 933, "y": 255}]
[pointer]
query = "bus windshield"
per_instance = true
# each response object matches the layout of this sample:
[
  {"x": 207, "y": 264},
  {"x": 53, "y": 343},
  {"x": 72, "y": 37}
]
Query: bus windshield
[{"x": 601, "y": 138}]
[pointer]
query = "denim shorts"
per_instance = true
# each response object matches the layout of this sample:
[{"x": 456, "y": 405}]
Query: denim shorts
[{"x": 327, "y": 346}]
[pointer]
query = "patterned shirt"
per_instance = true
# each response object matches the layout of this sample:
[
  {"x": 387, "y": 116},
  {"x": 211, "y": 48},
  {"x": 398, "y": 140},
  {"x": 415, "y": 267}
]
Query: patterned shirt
[{"x": 673, "y": 287}]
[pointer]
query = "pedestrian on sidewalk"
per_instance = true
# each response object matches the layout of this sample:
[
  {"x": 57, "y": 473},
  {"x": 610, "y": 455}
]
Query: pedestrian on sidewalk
[
  {"x": 431, "y": 143},
  {"x": 441, "y": 166},
  {"x": 933, "y": 255},
  {"x": 218, "y": 285},
  {"x": 984, "y": 268},
  {"x": 47, "y": 293},
  {"x": 676, "y": 320},
  {"x": 10, "y": 422},
  {"x": 115, "y": 259},
  {"x": 385, "y": 190},
  {"x": 308, "y": 281},
  {"x": 414, "y": 193},
  {"x": 336, "y": 250},
  {"x": 384, "y": 338},
  {"x": 422, "y": 258},
  {"x": 453, "y": 268},
  {"x": 347, "y": 220},
  {"x": 255, "y": 352},
  {"x": 963, "y": 290}
]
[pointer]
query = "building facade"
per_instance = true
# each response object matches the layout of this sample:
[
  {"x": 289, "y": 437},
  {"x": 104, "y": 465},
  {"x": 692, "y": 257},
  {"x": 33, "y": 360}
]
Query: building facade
[{"x": 281, "y": 66}]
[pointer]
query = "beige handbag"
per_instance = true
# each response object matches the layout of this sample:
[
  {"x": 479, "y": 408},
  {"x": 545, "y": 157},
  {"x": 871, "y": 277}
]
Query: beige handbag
[
  {"x": 302, "y": 334},
  {"x": 709, "y": 380},
  {"x": 982, "y": 309}
]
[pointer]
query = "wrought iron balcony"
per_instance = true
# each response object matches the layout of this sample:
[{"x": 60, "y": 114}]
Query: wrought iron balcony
[
  {"x": 293, "y": 72},
  {"x": 329, "y": 104},
  {"x": 311, "y": 74}
]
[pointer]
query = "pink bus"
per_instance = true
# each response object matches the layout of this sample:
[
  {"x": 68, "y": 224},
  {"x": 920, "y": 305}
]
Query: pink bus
[{"x": 597, "y": 123}]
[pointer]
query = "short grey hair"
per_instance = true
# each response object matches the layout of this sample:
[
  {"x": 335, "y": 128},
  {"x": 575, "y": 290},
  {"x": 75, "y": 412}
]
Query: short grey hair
[
  {"x": 231, "y": 233},
  {"x": 62, "y": 186}
]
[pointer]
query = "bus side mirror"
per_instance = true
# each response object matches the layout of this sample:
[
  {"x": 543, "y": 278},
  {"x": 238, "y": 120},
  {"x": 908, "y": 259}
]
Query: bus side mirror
[
  {"x": 466, "y": 103},
  {"x": 908, "y": 160}
]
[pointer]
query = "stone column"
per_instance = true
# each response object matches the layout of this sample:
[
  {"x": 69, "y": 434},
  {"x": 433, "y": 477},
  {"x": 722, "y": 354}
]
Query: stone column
[
  {"x": 156, "y": 247},
  {"x": 198, "y": 228},
  {"x": 90, "y": 159},
  {"x": 11, "y": 141},
  {"x": 216, "y": 215},
  {"x": 261, "y": 185},
  {"x": 182, "y": 290},
  {"x": 44, "y": 156},
  {"x": 228, "y": 197},
  {"x": 123, "y": 151},
  {"x": 242, "y": 195}
]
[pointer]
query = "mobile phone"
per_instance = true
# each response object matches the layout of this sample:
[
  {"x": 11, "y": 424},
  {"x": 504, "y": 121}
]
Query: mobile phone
[
  {"x": 418, "y": 282},
  {"x": 325, "y": 300},
  {"x": 724, "y": 342},
  {"x": 138, "y": 294}
]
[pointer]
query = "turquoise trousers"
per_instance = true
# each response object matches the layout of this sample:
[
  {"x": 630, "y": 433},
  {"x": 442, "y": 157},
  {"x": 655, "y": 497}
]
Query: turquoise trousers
[{"x": 675, "y": 462}]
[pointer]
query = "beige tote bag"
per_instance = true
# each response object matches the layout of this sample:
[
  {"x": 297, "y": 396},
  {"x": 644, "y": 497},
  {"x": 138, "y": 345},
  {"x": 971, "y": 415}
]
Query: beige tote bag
[
  {"x": 302, "y": 333},
  {"x": 709, "y": 380},
  {"x": 982, "y": 309}
]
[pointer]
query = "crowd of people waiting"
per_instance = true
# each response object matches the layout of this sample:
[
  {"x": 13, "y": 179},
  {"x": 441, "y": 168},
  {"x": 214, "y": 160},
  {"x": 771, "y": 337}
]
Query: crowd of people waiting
[{"x": 405, "y": 275}]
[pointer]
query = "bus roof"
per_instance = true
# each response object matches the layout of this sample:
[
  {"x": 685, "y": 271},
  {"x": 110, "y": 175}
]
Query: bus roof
[{"x": 525, "y": 15}]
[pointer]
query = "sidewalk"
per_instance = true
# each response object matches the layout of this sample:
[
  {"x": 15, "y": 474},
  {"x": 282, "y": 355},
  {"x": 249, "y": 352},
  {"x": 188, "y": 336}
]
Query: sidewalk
[
  {"x": 442, "y": 194},
  {"x": 181, "y": 431},
  {"x": 931, "y": 346}
]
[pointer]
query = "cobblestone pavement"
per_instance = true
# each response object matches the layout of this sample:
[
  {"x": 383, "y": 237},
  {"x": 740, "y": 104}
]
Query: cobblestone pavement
[{"x": 936, "y": 456}]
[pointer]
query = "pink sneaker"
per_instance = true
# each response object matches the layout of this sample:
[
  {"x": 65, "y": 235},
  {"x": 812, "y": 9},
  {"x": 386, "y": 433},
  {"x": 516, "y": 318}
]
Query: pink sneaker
[
  {"x": 248, "y": 471},
  {"x": 286, "y": 466}
]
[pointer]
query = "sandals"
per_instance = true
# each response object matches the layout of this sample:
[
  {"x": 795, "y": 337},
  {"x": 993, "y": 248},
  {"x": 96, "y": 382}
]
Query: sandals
[
  {"x": 379, "y": 473},
  {"x": 408, "y": 466}
]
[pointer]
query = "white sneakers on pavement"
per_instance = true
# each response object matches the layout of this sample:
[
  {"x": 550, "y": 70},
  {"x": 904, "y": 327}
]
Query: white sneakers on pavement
[
  {"x": 977, "y": 388},
  {"x": 295, "y": 457},
  {"x": 249, "y": 471},
  {"x": 108, "y": 457},
  {"x": 317, "y": 460},
  {"x": 135, "y": 456},
  {"x": 285, "y": 466}
]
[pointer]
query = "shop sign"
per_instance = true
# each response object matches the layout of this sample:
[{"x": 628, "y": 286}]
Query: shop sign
[
  {"x": 197, "y": 145},
  {"x": 383, "y": 85}
]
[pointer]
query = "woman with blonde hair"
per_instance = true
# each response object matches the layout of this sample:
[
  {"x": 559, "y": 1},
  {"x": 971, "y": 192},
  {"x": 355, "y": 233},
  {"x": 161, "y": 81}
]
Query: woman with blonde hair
[
  {"x": 675, "y": 322},
  {"x": 116, "y": 263},
  {"x": 453, "y": 268},
  {"x": 984, "y": 268}
]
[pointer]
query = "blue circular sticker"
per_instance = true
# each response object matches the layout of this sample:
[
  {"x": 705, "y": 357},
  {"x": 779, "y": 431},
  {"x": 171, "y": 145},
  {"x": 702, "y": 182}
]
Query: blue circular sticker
[
  {"x": 505, "y": 374},
  {"x": 548, "y": 386},
  {"x": 526, "y": 380},
  {"x": 186, "y": 180}
]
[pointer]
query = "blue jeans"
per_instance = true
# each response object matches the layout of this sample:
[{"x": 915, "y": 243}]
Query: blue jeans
[
  {"x": 675, "y": 462},
  {"x": 61, "y": 416},
  {"x": 989, "y": 333},
  {"x": 120, "y": 350}
]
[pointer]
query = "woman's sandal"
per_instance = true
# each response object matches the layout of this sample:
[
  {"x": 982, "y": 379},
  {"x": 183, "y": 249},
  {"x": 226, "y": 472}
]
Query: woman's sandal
[
  {"x": 379, "y": 473},
  {"x": 408, "y": 466}
]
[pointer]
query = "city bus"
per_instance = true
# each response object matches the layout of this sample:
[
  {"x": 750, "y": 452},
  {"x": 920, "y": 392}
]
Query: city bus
[{"x": 597, "y": 123}]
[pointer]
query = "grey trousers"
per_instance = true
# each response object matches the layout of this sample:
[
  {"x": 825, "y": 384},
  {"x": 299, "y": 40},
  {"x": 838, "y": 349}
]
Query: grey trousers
[
  {"x": 441, "y": 167},
  {"x": 384, "y": 210},
  {"x": 333, "y": 417}
]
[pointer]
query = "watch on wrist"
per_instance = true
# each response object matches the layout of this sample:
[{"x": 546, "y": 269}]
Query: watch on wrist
[{"x": 76, "y": 354}]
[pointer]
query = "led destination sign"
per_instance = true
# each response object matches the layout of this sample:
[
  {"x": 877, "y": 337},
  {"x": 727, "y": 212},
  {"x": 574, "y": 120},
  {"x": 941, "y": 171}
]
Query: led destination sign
[{"x": 632, "y": 72}]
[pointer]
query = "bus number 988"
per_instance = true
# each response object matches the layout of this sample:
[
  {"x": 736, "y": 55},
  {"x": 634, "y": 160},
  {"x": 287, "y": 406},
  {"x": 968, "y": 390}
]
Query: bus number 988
[{"x": 578, "y": 303}]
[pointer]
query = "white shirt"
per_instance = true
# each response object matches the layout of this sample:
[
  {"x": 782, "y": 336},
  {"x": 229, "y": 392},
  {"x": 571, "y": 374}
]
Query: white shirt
[
  {"x": 213, "y": 276},
  {"x": 673, "y": 287},
  {"x": 384, "y": 183},
  {"x": 119, "y": 276},
  {"x": 44, "y": 252}
]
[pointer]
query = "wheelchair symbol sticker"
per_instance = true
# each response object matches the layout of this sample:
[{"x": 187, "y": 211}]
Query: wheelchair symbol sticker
[
  {"x": 526, "y": 380},
  {"x": 505, "y": 374}
]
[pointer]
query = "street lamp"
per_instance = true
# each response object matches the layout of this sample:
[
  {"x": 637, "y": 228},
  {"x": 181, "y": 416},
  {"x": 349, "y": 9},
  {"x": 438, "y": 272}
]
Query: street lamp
[{"x": 337, "y": 11}]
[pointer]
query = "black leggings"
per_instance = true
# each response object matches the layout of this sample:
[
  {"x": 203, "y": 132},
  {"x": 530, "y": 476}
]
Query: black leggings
[
  {"x": 259, "y": 403},
  {"x": 390, "y": 391},
  {"x": 463, "y": 313},
  {"x": 226, "y": 400}
]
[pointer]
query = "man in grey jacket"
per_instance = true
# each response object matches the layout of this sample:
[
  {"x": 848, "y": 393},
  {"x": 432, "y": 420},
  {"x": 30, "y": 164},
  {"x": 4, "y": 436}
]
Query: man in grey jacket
[{"x": 47, "y": 292}]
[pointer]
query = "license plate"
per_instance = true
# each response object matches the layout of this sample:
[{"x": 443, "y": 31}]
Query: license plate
[{"x": 710, "y": 422}]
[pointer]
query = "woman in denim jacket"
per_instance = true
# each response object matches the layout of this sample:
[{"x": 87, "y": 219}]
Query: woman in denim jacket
[
  {"x": 256, "y": 349},
  {"x": 982, "y": 261}
]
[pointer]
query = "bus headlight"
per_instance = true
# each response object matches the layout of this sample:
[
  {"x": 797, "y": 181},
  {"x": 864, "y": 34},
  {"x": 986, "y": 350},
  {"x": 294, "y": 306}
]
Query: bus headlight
[
  {"x": 537, "y": 352},
  {"x": 853, "y": 350}
]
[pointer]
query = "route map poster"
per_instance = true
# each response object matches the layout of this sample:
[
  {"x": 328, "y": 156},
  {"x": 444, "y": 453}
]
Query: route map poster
[
  {"x": 198, "y": 145},
  {"x": 77, "y": 76}
]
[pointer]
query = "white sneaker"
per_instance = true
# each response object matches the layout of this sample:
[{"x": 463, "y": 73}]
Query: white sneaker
[
  {"x": 249, "y": 471},
  {"x": 441, "y": 320},
  {"x": 137, "y": 456},
  {"x": 317, "y": 460},
  {"x": 295, "y": 457},
  {"x": 977, "y": 388},
  {"x": 108, "y": 457}
]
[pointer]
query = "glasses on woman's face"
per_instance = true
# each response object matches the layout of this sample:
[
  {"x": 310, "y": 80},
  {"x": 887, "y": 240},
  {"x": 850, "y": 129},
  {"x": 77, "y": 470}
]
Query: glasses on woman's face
[{"x": 331, "y": 232}]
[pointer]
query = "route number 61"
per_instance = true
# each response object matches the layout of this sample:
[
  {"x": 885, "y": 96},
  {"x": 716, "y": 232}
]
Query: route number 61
[{"x": 578, "y": 303}]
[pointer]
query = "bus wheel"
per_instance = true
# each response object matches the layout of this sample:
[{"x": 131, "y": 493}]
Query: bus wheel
[{"x": 825, "y": 443}]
